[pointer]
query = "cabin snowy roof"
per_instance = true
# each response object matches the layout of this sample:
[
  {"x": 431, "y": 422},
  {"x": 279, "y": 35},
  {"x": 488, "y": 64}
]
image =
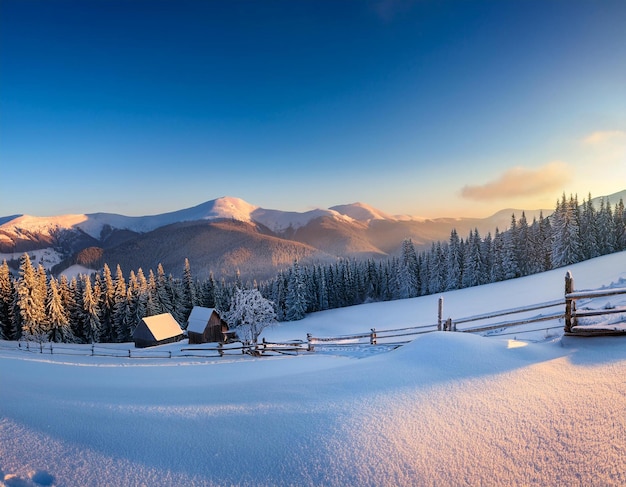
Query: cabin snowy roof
[
  {"x": 162, "y": 326},
  {"x": 199, "y": 318}
]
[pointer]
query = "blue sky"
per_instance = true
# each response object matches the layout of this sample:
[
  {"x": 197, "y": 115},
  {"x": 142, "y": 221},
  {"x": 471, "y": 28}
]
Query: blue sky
[{"x": 429, "y": 108}]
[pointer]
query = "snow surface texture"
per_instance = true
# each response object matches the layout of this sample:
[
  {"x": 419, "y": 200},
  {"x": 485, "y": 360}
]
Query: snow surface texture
[{"x": 446, "y": 409}]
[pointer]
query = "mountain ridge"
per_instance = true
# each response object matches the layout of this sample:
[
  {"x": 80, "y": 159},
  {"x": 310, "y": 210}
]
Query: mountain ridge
[{"x": 229, "y": 235}]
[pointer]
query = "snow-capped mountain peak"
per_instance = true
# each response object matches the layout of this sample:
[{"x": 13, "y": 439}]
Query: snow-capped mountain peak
[
  {"x": 362, "y": 212},
  {"x": 226, "y": 207}
]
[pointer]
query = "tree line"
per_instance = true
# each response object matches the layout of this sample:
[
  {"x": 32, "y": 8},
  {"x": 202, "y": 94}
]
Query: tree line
[{"x": 106, "y": 306}]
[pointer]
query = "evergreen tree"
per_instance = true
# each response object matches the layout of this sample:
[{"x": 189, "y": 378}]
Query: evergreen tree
[
  {"x": 76, "y": 309},
  {"x": 473, "y": 262},
  {"x": 91, "y": 313},
  {"x": 588, "y": 231},
  {"x": 566, "y": 235},
  {"x": 522, "y": 245},
  {"x": 59, "y": 329},
  {"x": 153, "y": 304},
  {"x": 208, "y": 292},
  {"x": 122, "y": 312},
  {"x": 30, "y": 300},
  {"x": 139, "y": 293},
  {"x": 497, "y": 250},
  {"x": 486, "y": 247},
  {"x": 107, "y": 304},
  {"x": 278, "y": 296},
  {"x": 407, "y": 276},
  {"x": 619, "y": 217},
  {"x": 453, "y": 262},
  {"x": 295, "y": 300},
  {"x": 6, "y": 303},
  {"x": 188, "y": 293},
  {"x": 605, "y": 228},
  {"x": 165, "y": 303}
]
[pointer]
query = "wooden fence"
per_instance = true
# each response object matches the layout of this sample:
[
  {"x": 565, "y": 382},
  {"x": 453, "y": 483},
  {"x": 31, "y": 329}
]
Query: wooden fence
[
  {"x": 373, "y": 337},
  {"x": 208, "y": 350},
  {"x": 572, "y": 315},
  {"x": 387, "y": 337},
  {"x": 567, "y": 312}
]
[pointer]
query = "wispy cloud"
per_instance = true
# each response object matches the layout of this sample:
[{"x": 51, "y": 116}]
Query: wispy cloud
[
  {"x": 521, "y": 181},
  {"x": 602, "y": 137}
]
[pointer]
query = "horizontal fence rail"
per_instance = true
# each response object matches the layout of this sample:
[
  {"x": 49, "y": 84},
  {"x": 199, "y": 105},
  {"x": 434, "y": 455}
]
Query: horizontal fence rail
[
  {"x": 509, "y": 324},
  {"x": 505, "y": 312},
  {"x": 384, "y": 338}
]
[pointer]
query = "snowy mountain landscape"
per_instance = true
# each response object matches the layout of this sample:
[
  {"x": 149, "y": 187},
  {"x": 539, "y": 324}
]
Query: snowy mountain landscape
[
  {"x": 312, "y": 244},
  {"x": 447, "y": 408},
  {"x": 225, "y": 235}
]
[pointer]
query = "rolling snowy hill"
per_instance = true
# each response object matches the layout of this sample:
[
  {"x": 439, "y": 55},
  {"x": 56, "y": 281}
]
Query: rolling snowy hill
[
  {"x": 446, "y": 409},
  {"x": 261, "y": 240}
]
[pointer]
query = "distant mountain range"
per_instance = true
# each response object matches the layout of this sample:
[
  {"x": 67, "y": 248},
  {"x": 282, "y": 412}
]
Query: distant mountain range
[{"x": 228, "y": 234}]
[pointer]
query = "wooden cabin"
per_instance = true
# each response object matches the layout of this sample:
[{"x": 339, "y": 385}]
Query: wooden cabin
[
  {"x": 205, "y": 325},
  {"x": 157, "y": 330}
]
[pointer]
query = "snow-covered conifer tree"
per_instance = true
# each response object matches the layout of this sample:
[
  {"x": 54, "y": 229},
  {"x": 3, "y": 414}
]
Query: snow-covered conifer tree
[
  {"x": 6, "y": 302},
  {"x": 31, "y": 300},
  {"x": 296, "y": 299},
  {"x": 121, "y": 309},
  {"x": 453, "y": 262},
  {"x": 163, "y": 293},
  {"x": 566, "y": 234},
  {"x": 91, "y": 313},
  {"x": 106, "y": 300},
  {"x": 408, "y": 285},
  {"x": 619, "y": 217},
  {"x": 588, "y": 230},
  {"x": 188, "y": 293},
  {"x": 59, "y": 329}
]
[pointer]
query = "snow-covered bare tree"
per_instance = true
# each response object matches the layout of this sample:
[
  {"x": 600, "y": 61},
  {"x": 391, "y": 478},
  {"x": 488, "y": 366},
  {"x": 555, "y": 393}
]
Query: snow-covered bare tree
[{"x": 250, "y": 313}]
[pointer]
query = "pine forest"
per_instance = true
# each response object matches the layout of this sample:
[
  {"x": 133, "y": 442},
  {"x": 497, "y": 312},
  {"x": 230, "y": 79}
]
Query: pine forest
[{"x": 106, "y": 306}]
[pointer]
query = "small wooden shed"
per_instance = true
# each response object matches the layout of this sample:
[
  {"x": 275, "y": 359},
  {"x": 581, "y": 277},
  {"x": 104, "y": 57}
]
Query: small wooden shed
[
  {"x": 157, "y": 330},
  {"x": 205, "y": 325}
]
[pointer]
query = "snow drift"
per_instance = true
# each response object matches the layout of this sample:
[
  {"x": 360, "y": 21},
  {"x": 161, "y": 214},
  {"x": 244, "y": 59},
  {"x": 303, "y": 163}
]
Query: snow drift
[{"x": 446, "y": 409}]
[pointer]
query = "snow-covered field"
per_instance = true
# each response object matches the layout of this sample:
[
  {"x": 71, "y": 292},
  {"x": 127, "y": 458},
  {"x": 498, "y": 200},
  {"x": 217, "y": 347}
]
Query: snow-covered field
[{"x": 446, "y": 409}]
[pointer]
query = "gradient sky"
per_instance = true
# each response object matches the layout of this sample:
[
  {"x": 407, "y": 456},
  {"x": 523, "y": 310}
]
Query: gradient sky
[{"x": 429, "y": 108}]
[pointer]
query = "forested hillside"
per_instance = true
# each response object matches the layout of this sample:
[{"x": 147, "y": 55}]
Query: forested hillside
[{"x": 107, "y": 306}]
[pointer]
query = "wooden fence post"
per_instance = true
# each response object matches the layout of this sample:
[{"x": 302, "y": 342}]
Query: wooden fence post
[
  {"x": 310, "y": 347},
  {"x": 220, "y": 349},
  {"x": 440, "y": 313},
  {"x": 569, "y": 303},
  {"x": 373, "y": 337}
]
